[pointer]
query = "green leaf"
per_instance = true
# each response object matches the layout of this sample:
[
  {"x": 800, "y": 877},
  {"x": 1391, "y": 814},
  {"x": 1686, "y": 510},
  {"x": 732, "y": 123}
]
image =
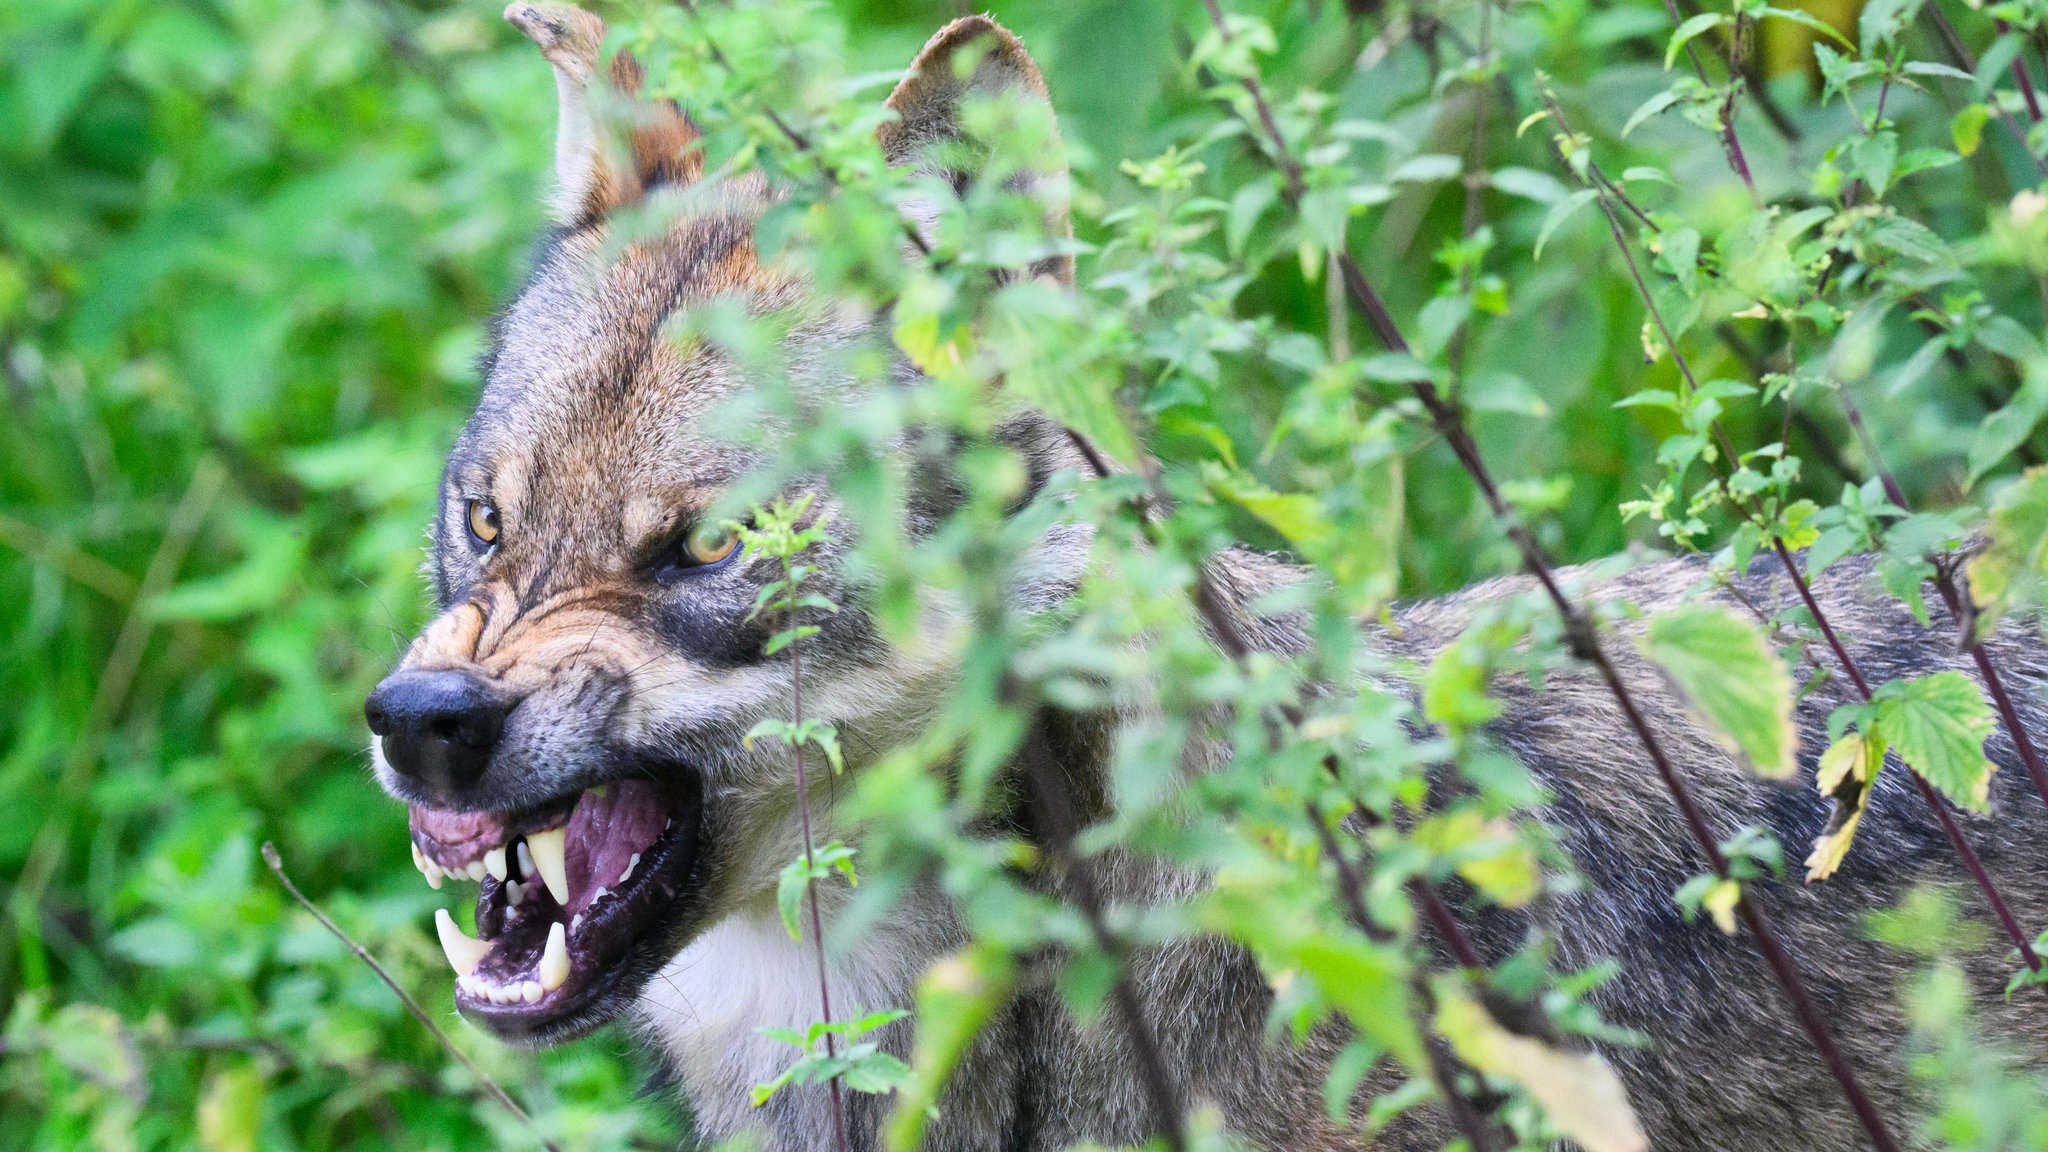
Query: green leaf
[
  {"x": 1967, "y": 127},
  {"x": 2003, "y": 431},
  {"x": 1938, "y": 724},
  {"x": 1562, "y": 211},
  {"x": 1696, "y": 26},
  {"x": 1648, "y": 108},
  {"x": 1735, "y": 685},
  {"x": 2011, "y": 567}
]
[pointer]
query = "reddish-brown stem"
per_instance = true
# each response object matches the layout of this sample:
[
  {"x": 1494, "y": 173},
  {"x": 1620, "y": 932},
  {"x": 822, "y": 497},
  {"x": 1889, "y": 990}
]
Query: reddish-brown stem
[
  {"x": 1798, "y": 578},
  {"x": 1952, "y": 597},
  {"x": 1050, "y": 799},
  {"x": 1482, "y": 1135},
  {"x": 1583, "y": 642},
  {"x": 1730, "y": 142},
  {"x": 1927, "y": 792},
  {"x": 803, "y": 809},
  {"x": 1967, "y": 60},
  {"x": 2020, "y": 77}
]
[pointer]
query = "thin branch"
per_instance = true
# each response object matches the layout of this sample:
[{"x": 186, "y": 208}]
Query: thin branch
[
  {"x": 1992, "y": 895},
  {"x": 1050, "y": 799},
  {"x": 483, "y": 1078},
  {"x": 1958, "y": 608},
  {"x": 803, "y": 808},
  {"x": 1583, "y": 642}
]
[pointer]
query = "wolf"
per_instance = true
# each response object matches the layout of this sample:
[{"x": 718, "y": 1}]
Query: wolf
[{"x": 568, "y": 732}]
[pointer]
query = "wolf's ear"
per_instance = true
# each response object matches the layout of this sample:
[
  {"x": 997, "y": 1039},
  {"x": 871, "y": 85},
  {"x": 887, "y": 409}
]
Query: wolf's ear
[
  {"x": 975, "y": 57},
  {"x": 594, "y": 174}
]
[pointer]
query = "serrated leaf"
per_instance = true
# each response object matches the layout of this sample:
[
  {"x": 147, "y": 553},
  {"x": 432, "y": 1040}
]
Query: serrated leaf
[
  {"x": 1731, "y": 680},
  {"x": 1938, "y": 724}
]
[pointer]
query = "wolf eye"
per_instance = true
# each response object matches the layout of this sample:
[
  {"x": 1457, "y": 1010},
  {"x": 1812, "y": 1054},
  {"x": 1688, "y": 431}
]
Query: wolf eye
[
  {"x": 707, "y": 546},
  {"x": 483, "y": 523}
]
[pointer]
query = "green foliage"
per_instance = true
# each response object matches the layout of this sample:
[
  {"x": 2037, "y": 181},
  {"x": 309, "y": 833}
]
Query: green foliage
[
  {"x": 1724, "y": 665},
  {"x": 246, "y": 257},
  {"x": 862, "y": 1066}
]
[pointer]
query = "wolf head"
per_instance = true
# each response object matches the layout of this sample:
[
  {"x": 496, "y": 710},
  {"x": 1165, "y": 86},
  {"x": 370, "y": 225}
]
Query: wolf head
[{"x": 568, "y": 730}]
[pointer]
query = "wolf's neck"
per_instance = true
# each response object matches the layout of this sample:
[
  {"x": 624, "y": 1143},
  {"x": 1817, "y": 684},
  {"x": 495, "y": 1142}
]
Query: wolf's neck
[{"x": 703, "y": 1012}]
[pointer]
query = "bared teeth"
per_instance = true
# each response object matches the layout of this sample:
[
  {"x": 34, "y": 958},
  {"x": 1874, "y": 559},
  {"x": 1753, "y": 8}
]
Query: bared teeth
[
  {"x": 630, "y": 865},
  {"x": 433, "y": 872},
  {"x": 494, "y": 863},
  {"x": 526, "y": 868},
  {"x": 550, "y": 859},
  {"x": 464, "y": 952},
  {"x": 554, "y": 959}
]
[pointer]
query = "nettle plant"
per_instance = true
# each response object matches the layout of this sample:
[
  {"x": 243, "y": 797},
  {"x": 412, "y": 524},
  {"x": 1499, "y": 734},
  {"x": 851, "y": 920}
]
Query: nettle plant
[{"x": 1234, "y": 372}]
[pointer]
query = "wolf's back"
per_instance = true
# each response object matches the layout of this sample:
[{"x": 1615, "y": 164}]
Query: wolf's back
[{"x": 1728, "y": 1067}]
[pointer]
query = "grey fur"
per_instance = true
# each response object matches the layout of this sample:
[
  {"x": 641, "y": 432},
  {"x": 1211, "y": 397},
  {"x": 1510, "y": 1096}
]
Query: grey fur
[{"x": 590, "y": 440}]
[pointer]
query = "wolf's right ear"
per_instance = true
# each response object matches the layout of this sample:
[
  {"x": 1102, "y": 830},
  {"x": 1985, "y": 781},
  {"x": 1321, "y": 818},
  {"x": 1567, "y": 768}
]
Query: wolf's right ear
[
  {"x": 593, "y": 174},
  {"x": 976, "y": 57}
]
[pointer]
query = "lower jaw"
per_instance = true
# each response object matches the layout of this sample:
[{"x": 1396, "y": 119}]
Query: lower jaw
[{"x": 599, "y": 986}]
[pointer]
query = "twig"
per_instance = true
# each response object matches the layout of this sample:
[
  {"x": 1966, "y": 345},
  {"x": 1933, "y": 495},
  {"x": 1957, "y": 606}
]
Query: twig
[
  {"x": 1049, "y": 798},
  {"x": 1583, "y": 642},
  {"x": 1799, "y": 582},
  {"x": 276, "y": 864},
  {"x": 803, "y": 808},
  {"x": 1958, "y": 605}
]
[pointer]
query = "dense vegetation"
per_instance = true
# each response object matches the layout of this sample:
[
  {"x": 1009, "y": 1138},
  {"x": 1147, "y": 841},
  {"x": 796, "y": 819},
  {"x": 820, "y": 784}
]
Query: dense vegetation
[{"x": 1659, "y": 261}]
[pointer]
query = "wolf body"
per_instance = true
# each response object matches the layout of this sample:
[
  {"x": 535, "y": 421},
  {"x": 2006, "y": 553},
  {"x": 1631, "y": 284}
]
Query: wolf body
[{"x": 578, "y": 655}]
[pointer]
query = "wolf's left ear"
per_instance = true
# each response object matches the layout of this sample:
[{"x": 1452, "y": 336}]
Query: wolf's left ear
[
  {"x": 975, "y": 57},
  {"x": 610, "y": 146}
]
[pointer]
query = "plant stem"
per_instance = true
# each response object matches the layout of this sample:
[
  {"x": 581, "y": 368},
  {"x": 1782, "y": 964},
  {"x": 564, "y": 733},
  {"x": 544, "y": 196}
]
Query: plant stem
[
  {"x": 1050, "y": 799},
  {"x": 1583, "y": 642},
  {"x": 803, "y": 808},
  {"x": 276, "y": 863},
  {"x": 1958, "y": 609},
  {"x": 1992, "y": 895}
]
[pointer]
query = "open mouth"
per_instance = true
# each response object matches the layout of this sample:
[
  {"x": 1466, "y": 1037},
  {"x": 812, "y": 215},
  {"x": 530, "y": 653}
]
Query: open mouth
[{"x": 570, "y": 892}]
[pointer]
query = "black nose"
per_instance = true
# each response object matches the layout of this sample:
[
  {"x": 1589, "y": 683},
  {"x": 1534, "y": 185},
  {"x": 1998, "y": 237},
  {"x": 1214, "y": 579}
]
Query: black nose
[{"x": 438, "y": 727}]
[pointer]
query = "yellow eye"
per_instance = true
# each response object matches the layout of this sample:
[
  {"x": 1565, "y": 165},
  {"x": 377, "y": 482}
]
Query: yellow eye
[
  {"x": 710, "y": 543},
  {"x": 483, "y": 523}
]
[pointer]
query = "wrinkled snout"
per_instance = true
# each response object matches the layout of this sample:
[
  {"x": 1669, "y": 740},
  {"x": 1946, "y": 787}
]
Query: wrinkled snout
[{"x": 439, "y": 728}]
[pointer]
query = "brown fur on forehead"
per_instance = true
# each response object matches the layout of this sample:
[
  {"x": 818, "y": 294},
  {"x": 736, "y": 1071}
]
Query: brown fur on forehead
[{"x": 589, "y": 404}]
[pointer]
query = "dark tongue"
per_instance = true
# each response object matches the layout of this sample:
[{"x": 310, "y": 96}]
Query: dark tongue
[
  {"x": 456, "y": 838},
  {"x": 605, "y": 832}
]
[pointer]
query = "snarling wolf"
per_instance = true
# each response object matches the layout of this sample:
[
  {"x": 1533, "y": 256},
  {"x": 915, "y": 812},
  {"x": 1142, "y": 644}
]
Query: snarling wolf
[{"x": 568, "y": 732}]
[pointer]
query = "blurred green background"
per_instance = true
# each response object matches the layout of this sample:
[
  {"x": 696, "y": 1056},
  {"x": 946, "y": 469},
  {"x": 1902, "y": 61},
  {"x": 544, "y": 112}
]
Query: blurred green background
[{"x": 248, "y": 249}]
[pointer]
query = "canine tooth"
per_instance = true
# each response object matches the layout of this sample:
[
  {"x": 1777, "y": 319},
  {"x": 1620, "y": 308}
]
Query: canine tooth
[
  {"x": 464, "y": 952},
  {"x": 554, "y": 959},
  {"x": 526, "y": 869},
  {"x": 550, "y": 859},
  {"x": 419, "y": 858},
  {"x": 630, "y": 865},
  {"x": 494, "y": 863}
]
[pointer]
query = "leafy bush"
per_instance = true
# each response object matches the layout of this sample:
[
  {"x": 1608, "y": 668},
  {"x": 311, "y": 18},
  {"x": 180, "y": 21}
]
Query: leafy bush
[{"x": 1671, "y": 279}]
